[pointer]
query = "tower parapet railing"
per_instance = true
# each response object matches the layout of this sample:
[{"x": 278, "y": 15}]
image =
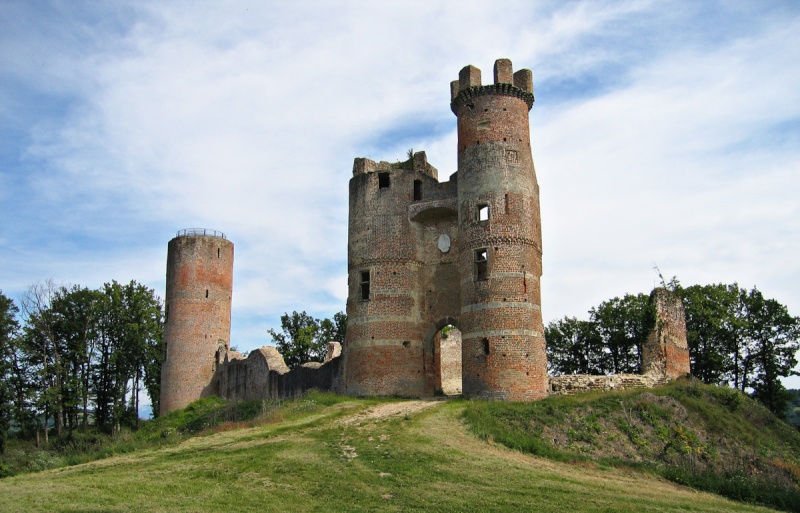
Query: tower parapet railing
[{"x": 188, "y": 232}]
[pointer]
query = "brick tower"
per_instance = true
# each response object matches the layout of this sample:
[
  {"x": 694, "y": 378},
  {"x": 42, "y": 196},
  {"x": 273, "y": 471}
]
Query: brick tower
[
  {"x": 197, "y": 325},
  {"x": 503, "y": 347},
  {"x": 423, "y": 254},
  {"x": 384, "y": 351}
]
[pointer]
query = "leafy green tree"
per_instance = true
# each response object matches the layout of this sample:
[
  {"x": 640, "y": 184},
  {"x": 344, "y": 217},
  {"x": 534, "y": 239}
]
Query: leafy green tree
[
  {"x": 773, "y": 340},
  {"x": 712, "y": 331},
  {"x": 77, "y": 311},
  {"x": 41, "y": 355},
  {"x": 333, "y": 330},
  {"x": 575, "y": 347},
  {"x": 305, "y": 339},
  {"x": 299, "y": 342},
  {"x": 8, "y": 333},
  {"x": 623, "y": 324}
]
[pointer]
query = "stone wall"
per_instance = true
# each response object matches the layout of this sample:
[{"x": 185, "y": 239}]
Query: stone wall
[
  {"x": 665, "y": 353},
  {"x": 264, "y": 375}
]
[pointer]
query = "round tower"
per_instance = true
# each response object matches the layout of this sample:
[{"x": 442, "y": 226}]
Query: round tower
[
  {"x": 197, "y": 326},
  {"x": 383, "y": 351},
  {"x": 503, "y": 348}
]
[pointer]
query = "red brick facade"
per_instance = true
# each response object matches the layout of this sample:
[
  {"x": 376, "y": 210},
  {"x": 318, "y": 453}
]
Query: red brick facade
[
  {"x": 465, "y": 252},
  {"x": 198, "y": 315}
]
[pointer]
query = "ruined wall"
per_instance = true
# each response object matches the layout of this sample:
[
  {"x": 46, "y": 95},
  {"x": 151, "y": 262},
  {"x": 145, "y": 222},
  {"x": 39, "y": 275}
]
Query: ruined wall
[
  {"x": 197, "y": 315},
  {"x": 665, "y": 353},
  {"x": 264, "y": 375}
]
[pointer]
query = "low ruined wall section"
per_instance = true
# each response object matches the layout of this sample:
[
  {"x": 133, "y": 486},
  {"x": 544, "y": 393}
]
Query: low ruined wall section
[
  {"x": 665, "y": 353},
  {"x": 264, "y": 375}
]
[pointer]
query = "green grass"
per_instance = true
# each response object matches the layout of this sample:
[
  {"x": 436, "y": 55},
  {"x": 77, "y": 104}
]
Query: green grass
[
  {"x": 321, "y": 453},
  {"x": 710, "y": 438}
]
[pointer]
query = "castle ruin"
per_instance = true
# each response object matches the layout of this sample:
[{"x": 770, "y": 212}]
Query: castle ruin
[{"x": 422, "y": 255}]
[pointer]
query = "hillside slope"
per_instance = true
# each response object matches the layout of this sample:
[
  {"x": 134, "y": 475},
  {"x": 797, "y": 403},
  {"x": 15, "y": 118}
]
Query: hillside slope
[
  {"x": 712, "y": 438},
  {"x": 352, "y": 456}
]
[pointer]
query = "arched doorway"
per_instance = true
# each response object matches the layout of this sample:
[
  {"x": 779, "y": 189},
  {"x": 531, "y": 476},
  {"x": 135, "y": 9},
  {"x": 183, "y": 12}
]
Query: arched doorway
[{"x": 443, "y": 358}]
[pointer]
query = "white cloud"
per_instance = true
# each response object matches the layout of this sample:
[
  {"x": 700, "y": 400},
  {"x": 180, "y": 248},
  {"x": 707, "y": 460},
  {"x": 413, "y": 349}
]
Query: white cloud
[{"x": 660, "y": 137}]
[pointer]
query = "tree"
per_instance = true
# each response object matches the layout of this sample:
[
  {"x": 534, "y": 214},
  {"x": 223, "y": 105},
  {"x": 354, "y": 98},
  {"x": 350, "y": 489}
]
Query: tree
[
  {"x": 575, "y": 347},
  {"x": 774, "y": 338},
  {"x": 41, "y": 354},
  {"x": 8, "y": 333},
  {"x": 305, "y": 339},
  {"x": 624, "y": 325},
  {"x": 333, "y": 330},
  {"x": 712, "y": 328},
  {"x": 299, "y": 342}
]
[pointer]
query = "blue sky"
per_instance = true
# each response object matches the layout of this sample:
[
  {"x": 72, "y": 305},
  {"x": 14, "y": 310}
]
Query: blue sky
[{"x": 664, "y": 133}]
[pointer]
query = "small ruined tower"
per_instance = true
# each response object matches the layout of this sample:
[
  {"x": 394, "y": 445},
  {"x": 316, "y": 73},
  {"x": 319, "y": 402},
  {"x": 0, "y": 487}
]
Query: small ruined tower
[
  {"x": 665, "y": 353},
  {"x": 503, "y": 347},
  {"x": 197, "y": 325}
]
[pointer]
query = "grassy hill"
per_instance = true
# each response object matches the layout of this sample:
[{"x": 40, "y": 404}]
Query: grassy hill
[{"x": 329, "y": 453}]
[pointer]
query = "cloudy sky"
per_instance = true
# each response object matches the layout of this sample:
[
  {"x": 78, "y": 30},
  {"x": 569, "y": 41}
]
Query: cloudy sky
[{"x": 664, "y": 133}]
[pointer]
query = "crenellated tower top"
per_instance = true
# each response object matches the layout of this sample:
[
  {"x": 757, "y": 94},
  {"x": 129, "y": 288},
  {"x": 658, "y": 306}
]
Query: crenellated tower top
[{"x": 506, "y": 82}]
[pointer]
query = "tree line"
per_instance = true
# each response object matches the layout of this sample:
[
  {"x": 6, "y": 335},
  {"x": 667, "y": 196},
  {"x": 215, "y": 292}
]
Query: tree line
[
  {"x": 736, "y": 337},
  {"x": 74, "y": 357}
]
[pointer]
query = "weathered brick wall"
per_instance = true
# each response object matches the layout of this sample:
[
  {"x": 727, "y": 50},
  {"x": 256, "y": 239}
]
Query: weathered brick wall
[
  {"x": 418, "y": 243},
  {"x": 665, "y": 354},
  {"x": 397, "y": 217},
  {"x": 576, "y": 383},
  {"x": 198, "y": 316},
  {"x": 501, "y": 323},
  {"x": 666, "y": 351}
]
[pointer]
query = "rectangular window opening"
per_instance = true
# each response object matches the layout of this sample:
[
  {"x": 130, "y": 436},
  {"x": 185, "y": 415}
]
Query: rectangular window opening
[
  {"x": 506, "y": 203},
  {"x": 364, "y": 289},
  {"x": 417, "y": 190},
  {"x": 481, "y": 264},
  {"x": 383, "y": 180},
  {"x": 483, "y": 212}
]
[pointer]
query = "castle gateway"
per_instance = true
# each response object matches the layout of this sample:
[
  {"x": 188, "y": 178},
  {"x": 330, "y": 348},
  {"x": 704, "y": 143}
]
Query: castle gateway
[{"x": 466, "y": 252}]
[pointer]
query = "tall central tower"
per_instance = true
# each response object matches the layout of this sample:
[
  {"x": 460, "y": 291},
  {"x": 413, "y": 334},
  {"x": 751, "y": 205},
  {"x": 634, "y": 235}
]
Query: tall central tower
[{"x": 500, "y": 263}]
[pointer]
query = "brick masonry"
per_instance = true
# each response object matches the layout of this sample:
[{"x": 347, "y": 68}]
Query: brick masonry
[
  {"x": 465, "y": 252},
  {"x": 665, "y": 353},
  {"x": 422, "y": 254},
  {"x": 198, "y": 315}
]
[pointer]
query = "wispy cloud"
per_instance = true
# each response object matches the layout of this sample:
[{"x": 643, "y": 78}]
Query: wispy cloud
[{"x": 664, "y": 133}]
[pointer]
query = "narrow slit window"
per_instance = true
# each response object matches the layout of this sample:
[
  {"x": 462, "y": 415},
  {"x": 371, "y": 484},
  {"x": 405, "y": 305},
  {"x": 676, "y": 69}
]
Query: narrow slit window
[
  {"x": 206, "y": 292},
  {"x": 217, "y": 252},
  {"x": 417, "y": 190},
  {"x": 506, "y": 204},
  {"x": 481, "y": 264},
  {"x": 483, "y": 212},
  {"x": 364, "y": 285},
  {"x": 485, "y": 346},
  {"x": 383, "y": 180}
]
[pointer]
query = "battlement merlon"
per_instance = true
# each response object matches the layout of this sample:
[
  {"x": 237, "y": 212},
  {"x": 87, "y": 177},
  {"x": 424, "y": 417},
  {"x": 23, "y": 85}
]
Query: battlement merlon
[
  {"x": 506, "y": 82},
  {"x": 419, "y": 162}
]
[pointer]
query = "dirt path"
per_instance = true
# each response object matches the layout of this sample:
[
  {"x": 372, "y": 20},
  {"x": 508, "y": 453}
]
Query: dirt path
[{"x": 383, "y": 411}]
